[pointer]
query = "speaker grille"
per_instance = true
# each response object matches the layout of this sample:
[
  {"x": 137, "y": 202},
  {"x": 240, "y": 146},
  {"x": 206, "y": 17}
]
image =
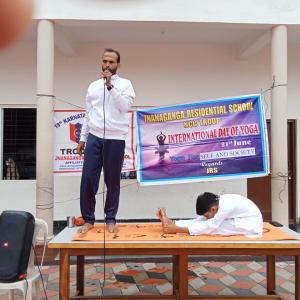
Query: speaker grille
[{"x": 16, "y": 233}]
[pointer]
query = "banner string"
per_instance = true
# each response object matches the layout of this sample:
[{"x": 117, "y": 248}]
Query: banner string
[
  {"x": 50, "y": 205},
  {"x": 67, "y": 102},
  {"x": 279, "y": 176}
]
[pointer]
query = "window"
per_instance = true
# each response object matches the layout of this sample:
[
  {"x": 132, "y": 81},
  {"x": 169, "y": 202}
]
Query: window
[{"x": 19, "y": 143}]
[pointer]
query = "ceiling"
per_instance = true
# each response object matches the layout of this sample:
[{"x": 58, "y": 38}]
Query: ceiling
[{"x": 161, "y": 32}]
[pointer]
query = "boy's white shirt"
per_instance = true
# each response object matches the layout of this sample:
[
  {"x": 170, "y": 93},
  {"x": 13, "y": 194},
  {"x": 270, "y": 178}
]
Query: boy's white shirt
[{"x": 236, "y": 215}]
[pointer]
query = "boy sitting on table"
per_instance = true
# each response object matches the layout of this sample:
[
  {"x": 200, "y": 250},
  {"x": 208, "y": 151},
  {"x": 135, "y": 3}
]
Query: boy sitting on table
[{"x": 227, "y": 214}]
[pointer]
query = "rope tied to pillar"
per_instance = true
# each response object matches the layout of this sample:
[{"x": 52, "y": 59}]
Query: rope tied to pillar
[
  {"x": 45, "y": 95},
  {"x": 64, "y": 101},
  {"x": 50, "y": 191},
  {"x": 45, "y": 206},
  {"x": 265, "y": 96},
  {"x": 277, "y": 85}
]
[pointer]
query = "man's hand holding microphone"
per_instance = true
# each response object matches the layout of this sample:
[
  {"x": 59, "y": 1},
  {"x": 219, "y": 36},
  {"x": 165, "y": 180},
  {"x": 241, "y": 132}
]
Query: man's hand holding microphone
[{"x": 106, "y": 75}]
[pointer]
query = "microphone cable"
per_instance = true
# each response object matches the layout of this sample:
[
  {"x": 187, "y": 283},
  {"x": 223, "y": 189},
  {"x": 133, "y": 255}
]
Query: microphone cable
[
  {"x": 103, "y": 194},
  {"x": 39, "y": 266}
]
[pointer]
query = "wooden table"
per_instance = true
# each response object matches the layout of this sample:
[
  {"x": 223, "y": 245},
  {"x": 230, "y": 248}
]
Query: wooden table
[{"x": 180, "y": 252}]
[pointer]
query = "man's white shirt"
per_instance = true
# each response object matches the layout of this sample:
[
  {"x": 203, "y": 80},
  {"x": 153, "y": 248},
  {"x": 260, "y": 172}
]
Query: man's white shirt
[
  {"x": 236, "y": 215},
  {"x": 111, "y": 105}
]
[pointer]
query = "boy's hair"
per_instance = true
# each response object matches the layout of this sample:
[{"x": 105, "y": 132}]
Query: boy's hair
[
  {"x": 205, "y": 201},
  {"x": 114, "y": 51}
]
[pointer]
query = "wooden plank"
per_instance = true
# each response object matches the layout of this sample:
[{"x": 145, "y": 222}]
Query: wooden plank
[
  {"x": 175, "y": 272},
  {"x": 146, "y": 297},
  {"x": 132, "y": 297},
  {"x": 80, "y": 275},
  {"x": 64, "y": 240},
  {"x": 64, "y": 275},
  {"x": 271, "y": 269},
  {"x": 183, "y": 276},
  {"x": 297, "y": 277},
  {"x": 199, "y": 251},
  {"x": 235, "y": 297},
  {"x": 177, "y": 245}
]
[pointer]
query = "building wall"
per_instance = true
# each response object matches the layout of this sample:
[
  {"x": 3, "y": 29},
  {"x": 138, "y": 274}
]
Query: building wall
[
  {"x": 230, "y": 11},
  {"x": 162, "y": 74}
]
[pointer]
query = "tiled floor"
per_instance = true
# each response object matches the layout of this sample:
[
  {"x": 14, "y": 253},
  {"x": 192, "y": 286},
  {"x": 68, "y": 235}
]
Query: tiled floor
[{"x": 221, "y": 277}]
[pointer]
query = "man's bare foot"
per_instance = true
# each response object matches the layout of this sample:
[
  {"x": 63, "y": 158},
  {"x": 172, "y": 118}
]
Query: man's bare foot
[
  {"x": 112, "y": 227},
  {"x": 158, "y": 214},
  {"x": 162, "y": 215},
  {"x": 85, "y": 228}
]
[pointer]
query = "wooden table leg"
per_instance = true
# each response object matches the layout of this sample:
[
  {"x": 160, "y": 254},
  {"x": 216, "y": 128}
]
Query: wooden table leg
[
  {"x": 64, "y": 275},
  {"x": 80, "y": 275},
  {"x": 271, "y": 279},
  {"x": 183, "y": 276},
  {"x": 297, "y": 277},
  {"x": 175, "y": 271}
]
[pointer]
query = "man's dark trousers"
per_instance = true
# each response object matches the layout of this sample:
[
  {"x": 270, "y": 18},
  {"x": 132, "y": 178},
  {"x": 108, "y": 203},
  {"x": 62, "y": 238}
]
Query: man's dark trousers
[{"x": 107, "y": 154}]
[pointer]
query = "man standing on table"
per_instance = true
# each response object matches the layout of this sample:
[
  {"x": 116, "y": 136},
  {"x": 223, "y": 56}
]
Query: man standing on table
[{"x": 102, "y": 138}]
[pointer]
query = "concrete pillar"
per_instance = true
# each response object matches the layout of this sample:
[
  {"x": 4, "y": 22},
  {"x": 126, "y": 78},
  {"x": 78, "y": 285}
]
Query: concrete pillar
[
  {"x": 279, "y": 162},
  {"x": 44, "y": 138}
]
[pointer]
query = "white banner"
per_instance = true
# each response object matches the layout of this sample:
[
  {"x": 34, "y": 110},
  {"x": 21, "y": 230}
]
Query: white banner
[{"x": 67, "y": 128}]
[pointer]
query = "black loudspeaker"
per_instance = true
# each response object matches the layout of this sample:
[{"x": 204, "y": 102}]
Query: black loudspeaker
[{"x": 16, "y": 234}]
